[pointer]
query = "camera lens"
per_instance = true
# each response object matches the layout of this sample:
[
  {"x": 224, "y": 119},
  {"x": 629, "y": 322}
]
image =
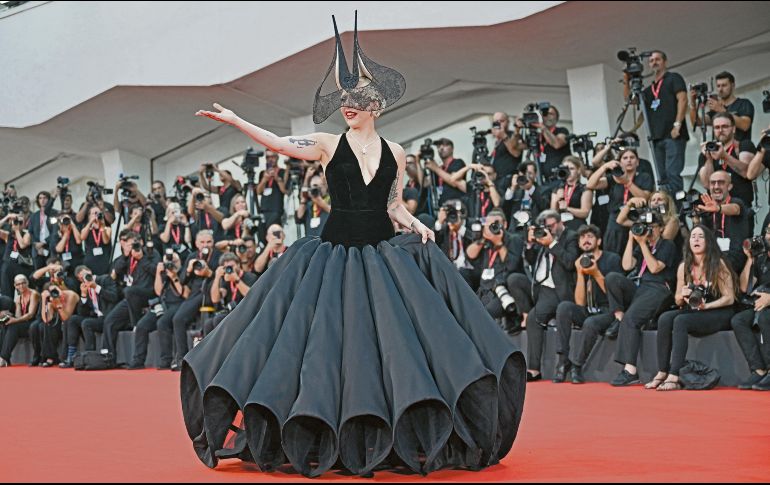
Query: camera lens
[
  {"x": 136, "y": 246},
  {"x": 167, "y": 265},
  {"x": 242, "y": 248},
  {"x": 711, "y": 146},
  {"x": 618, "y": 171},
  {"x": 199, "y": 197},
  {"x": 496, "y": 228},
  {"x": 540, "y": 232},
  {"x": 587, "y": 260},
  {"x": 65, "y": 221},
  {"x": 696, "y": 297},
  {"x": 639, "y": 229},
  {"x": 229, "y": 270},
  {"x": 55, "y": 292},
  {"x": 197, "y": 265},
  {"x": 88, "y": 277}
]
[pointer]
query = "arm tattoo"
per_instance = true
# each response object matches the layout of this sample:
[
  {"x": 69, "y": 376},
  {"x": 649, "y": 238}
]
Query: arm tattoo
[
  {"x": 302, "y": 142},
  {"x": 393, "y": 191}
]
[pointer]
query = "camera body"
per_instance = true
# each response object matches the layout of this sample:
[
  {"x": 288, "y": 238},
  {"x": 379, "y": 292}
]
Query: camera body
[
  {"x": 756, "y": 245},
  {"x": 455, "y": 211},
  {"x": 480, "y": 148},
  {"x": 634, "y": 66},
  {"x": 690, "y": 201},
  {"x": 197, "y": 265},
  {"x": 426, "y": 150},
  {"x": 643, "y": 219},
  {"x": 208, "y": 170},
  {"x": 559, "y": 173},
  {"x": 315, "y": 192},
  {"x": 766, "y": 102},
  {"x": 582, "y": 143},
  {"x": 587, "y": 260},
  {"x": 156, "y": 306},
  {"x": 697, "y": 295},
  {"x": 712, "y": 146}
]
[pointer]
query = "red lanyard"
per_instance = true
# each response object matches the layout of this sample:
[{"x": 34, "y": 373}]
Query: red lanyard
[
  {"x": 270, "y": 183},
  {"x": 457, "y": 245},
  {"x": 729, "y": 152},
  {"x": 132, "y": 265},
  {"x": 67, "y": 246},
  {"x": 176, "y": 235},
  {"x": 208, "y": 220},
  {"x": 492, "y": 257},
  {"x": 237, "y": 231},
  {"x": 714, "y": 219},
  {"x": 542, "y": 138},
  {"x": 656, "y": 89},
  {"x": 15, "y": 246},
  {"x": 627, "y": 189},
  {"x": 411, "y": 184},
  {"x": 24, "y": 304},
  {"x": 445, "y": 166},
  {"x": 222, "y": 190},
  {"x": 316, "y": 210},
  {"x": 97, "y": 237},
  {"x": 568, "y": 193},
  {"x": 644, "y": 261},
  {"x": 92, "y": 295},
  {"x": 484, "y": 204},
  {"x": 234, "y": 289}
]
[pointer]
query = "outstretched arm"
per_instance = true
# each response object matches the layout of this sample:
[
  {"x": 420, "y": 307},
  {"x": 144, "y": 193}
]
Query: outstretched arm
[{"x": 396, "y": 209}]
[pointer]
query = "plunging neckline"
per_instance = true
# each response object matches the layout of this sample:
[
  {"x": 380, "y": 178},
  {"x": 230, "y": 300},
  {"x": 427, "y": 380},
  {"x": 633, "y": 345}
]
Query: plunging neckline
[{"x": 360, "y": 172}]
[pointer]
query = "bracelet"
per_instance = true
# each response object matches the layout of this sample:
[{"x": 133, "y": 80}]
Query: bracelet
[{"x": 411, "y": 226}]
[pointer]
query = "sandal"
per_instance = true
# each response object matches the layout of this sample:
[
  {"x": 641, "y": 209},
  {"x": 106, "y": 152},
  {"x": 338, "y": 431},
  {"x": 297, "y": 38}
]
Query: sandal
[
  {"x": 669, "y": 386},
  {"x": 655, "y": 383}
]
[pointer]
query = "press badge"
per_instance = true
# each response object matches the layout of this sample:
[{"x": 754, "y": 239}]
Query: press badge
[
  {"x": 724, "y": 243},
  {"x": 567, "y": 216},
  {"x": 655, "y": 104},
  {"x": 98, "y": 251},
  {"x": 603, "y": 199},
  {"x": 315, "y": 222},
  {"x": 488, "y": 274},
  {"x": 128, "y": 280},
  {"x": 542, "y": 157},
  {"x": 267, "y": 191},
  {"x": 66, "y": 257},
  {"x": 14, "y": 255}
]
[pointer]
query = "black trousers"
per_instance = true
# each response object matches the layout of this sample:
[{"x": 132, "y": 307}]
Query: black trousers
[
  {"x": 211, "y": 323},
  {"x": 89, "y": 326},
  {"x": 125, "y": 314},
  {"x": 12, "y": 335},
  {"x": 73, "y": 329},
  {"x": 640, "y": 304},
  {"x": 148, "y": 324},
  {"x": 51, "y": 336},
  {"x": 757, "y": 354},
  {"x": 540, "y": 309},
  {"x": 183, "y": 318},
  {"x": 35, "y": 334},
  {"x": 569, "y": 315},
  {"x": 674, "y": 327}
]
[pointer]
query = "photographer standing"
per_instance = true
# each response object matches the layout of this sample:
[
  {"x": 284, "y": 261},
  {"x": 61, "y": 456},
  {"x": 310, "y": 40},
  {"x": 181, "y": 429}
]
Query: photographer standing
[
  {"x": 666, "y": 101},
  {"x": 551, "y": 251},
  {"x": 415, "y": 192},
  {"x": 171, "y": 294},
  {"x": 272, "y": 189},
  {"x": 66, "y": 243},
  {"x": 18, "y": 325},
  {"x": 230, "y": 286},
  {"x": 204, "y": 216},
  {"x": 229, "y": 188},
  {"x": 314, "y": 207},
  {"x": 452, "y": 236},
  {"x": 158, "y": 201},
  {"x": 755, "y": 282},
  {"x": 572, "y": 200},
  {"x": 483, "y": 184},
  {"x": 97, "y": 236},
  {"x": 41, "y": 227},
  {"x": 94, "y": 199},
  {"x": 524, "y": 194},
  {"x": 591, "y": 308},
  {"x": 705, "y": 293},
  {"x": 17, "y": 257},
  {"x": 724, "y": 101},
  {"x": 553, "y": 141},
  {"x": 273, "y": 249},
  {"x": 446, "y": 187},
  {"x": 176, "y": 233},
  {"x": 509, "y": 147}
]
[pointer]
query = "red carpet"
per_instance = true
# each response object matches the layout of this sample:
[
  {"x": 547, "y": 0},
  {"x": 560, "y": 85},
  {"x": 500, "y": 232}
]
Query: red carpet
[{"x": 61, "y": 425}]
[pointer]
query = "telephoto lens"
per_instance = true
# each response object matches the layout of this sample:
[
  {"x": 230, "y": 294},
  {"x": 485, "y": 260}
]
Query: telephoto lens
[
  {"x": 587, "y": 260},
  {"x": 88, "y": 277},
  {"x": 199, "y": 197},
  {"x": 229, "y": 270}
]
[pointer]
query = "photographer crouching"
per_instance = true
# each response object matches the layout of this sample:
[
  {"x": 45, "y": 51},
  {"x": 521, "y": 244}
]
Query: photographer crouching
[
  {"x": 453, "y": 237},
  {"x": 58, "y": 305},
  {"x": 229, "y": 287},
  {"x": 590, "y": 310},
  {"x": 551, "y": 251}
]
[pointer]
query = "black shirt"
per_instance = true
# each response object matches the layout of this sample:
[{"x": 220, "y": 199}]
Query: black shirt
[
  {"x": 505, "y": 164},
  {"x": 608, "y": 263},
  {"x": 490, "y": 258},
  {"x": 618, "y": 194},
  {"x": 760, "y": 269},
  {"x": 742, "y": 187},
  {"x": 736, "y": 228},
  {"x": 665, "y": 252},
  {"x": 740, "y": 107},
  {"x": 551, "y": 156},
  {"x": 446, "y": 191},
  {"x": 143, "y": 273},
  {"x": 73, "y": 252},
  {"x": 193, "y": 281},
  {"x": 662, "y": 119},
  {"x": 225, "y": 196},
  {"x": 248, "y": 278},
  {"x": 204, "y": 220},
  {"x": 272, "y": 197},
  {"x": 12, "y": 247},
  {"x": 309, "y": 219},
  {"x": 412, "y": 191}
]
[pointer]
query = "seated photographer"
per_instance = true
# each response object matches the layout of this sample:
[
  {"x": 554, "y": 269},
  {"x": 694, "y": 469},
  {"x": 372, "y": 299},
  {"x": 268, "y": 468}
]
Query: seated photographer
[
  {"x": 705, "y": 293},
  {"x": 415, "y": 192},
  {"x": 495, "y": 256},
  {"x": 203, "y": 215},
  {"x": 58, "y": 304},
  {"x": 572, "y": 200},
  {"x": 723, "y": 101},
  {"x": 16, "y": 325},
  {"x": 66, "y": 242},
  {"x": 54, "y": 271},
  {"x": 239, "y": 223},
  {"x": 134, "y": 270},
  {"x": 755, "y": 316},
  {"x": 661, "y": 202},
  {"x": 726, "y": 216},
  {"x": 170, "y": 295},
  {"x": 729, "y": 155},
  {"x": 591, "y": 308},
  {"x": 229, "y": 188},
  {"x": 176, "y": 233},
  {"x": 551, "y": 251},
  {"x": 637, "y": 298},
  {"x": 196, "y": 274},
  {"x": 446, "y": 187},
  {"x": 482, "y": 183},
  {"x": 623, "y": 181},
  {"x": 98, "y": 295},
  {"x": 94, "y": 199},
  {"x": 314, "y": 207},
  {"x": 97, "y": 236},
  {"x": 274, "y": 248},
  {"x": 452, "y": 236},
  {"x": 272, "y": 188},
  {"x": 509, "y": 147},
  {"x": 40, "y": 227},
  {"x": 17, "y": 257},
  {"x": 245, "y": 249},
  {"x": 229, "y": 287},
  {"x": 523, "y": 194}
]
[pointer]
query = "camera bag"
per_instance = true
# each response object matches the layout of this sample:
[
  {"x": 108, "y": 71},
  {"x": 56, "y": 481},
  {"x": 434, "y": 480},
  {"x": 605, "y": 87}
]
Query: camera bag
[{"x": 93, "y": 360}]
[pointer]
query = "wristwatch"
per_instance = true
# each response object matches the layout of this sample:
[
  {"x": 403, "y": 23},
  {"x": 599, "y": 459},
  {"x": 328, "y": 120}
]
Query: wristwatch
[{"x": 677, "y": 124}]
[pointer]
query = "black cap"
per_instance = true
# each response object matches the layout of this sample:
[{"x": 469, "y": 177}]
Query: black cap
[{"x": 443, "y": 141}]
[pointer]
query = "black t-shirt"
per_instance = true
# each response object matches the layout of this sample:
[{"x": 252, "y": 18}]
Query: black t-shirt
[
  {"x": 204, "y": 220},
  {"x": 740, "y": 107},
  {"x": 313, "y": 226},
  {"x": 553, "y": 156},
  {"x": 272, "y": 197},
  {"x": 742, "y": 187},
  {"x": 160, "y": 212},
  {"x": 225, "y": 196},
  {"x": 176, "y": 241},
  {"x": 143, "y": 273},
  {"x": 736, "y": 228},
  {"x": 446, "y": 191},
  {"x": 760, "y": 269},
  {"x": 73, "y": 252},
  {"x": 421, "y": 197},
  {"x": 662, "y": 111},
  {"x": 505, "y": 164},
  {"x": 12, "y": 247},
  {"x": 665, "y": 252},
  {"x": 608, "y": 263},
  {"x": 490, "y": 258},
  {"x": 452, "y": 244},
  {"x": 193, "y": 281},
  {"x": 248, "y": 278},
  {"x": 618, "y": 195}
]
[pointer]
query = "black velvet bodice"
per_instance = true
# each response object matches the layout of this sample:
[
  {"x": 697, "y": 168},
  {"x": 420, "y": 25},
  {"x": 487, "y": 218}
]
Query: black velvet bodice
[{"x": 359, "y": 213}]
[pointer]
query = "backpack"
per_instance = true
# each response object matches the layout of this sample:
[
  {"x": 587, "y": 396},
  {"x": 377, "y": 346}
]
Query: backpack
[
  {"x": 93, "y": 360},
  {"x": 697, "y": 376}
]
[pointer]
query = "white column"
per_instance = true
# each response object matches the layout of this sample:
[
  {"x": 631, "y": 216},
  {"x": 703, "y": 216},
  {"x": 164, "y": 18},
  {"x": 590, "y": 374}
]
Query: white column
[
  {"x": 117, "y": 162},
  {"x": 303, "y": 125}
]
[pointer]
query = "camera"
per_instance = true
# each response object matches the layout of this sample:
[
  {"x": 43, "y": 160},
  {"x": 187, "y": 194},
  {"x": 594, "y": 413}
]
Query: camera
[
  {"x": 315, "y": 192},
  {"x": 644, "y": 218},
  {"x": 480, "y": 148},
  {"x": 523, "y": 178},
  {"x": 278, "y": 234},
  {"x": 618, "y": 172},
  {"x": 5, "y": 318},
  {"x": 587, "y": 260},
  {"x": 65, "y": 221},
  {"x": 701, "y": 91},
  {"x": 229, "y": 270},
  {"x": 712, "y": 146},
  {"x": 55, "y": 292},
  {"x": 756, "y": 245},
  {"x": 208, "y": 170},
  {"x": 242, "y": 249},
  {"x": 17, "y": 221},
  {"x": 250, "y": 161},
  {"x": 100, "y": 216},
  {"x": 697, "y": 296},
  {"x": 455, "y": 211},
  {"x": 88, "y": 277},
  {"x": 506, "y": 300},
  {"x": 582, "y": 143},
  {"x": 62, "y": 181},
  {"x": 496, "y": 228},
  {"x": 426, "y": 150},
  {"x": 197, "y": 265},
  {"x": 540, "y": 231},
  {"x": 764, "y": 141},
  {"x": 169, "y": 265},
  {"x": 199, "y": 197},
  {"x": 136, "y": 246},
  {"x": 95, "y": 190},
  {"x": 156, "y": 306},
  {"x": 168, "y": 255},
  {"x": 561, "y": 172},
  {"x": 634, "y": 66},
  {"x": 766, "y": 102},
  {"x": 690, "y": 201},
  {"x": 59, "y": 275}
]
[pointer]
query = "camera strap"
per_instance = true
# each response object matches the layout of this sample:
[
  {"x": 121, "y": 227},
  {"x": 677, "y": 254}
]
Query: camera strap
[
  {"x": 714, "y": 219},
  {"x": 233, "y": 291}
]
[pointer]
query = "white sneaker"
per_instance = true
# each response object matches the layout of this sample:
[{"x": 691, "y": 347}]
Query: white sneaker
[{"x": 3, "y": 362}]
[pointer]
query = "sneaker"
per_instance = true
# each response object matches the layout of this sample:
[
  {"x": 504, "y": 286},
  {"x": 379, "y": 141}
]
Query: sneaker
[
  {"x": 625, "y": 378},
  {"x": 748, "y": 384},
  {"x": 3, "y": 362},
  {"x": 65, "y": 365},
  {"x": 613, "y": 330},
  {"x": 763, "y": 385},
  {"x": 175, "y": 367},
  {"x": 576, "y": 375}
]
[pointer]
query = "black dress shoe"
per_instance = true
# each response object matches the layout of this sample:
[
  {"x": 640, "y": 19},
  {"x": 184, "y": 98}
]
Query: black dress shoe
[
  {"x": 164, "y": 366},
  {"x": 763, "y": 385},
  {"x": 533, "y": 378},
  {"x": 612, "y": 332},
  {"x": 34, "y": 363},
  {"x": 748, "y": 384},
  {"x": 561, "y": 372},
  {"x": 135, "y": 367},
  {"x": 175, "y": 367},
  {"x": 576, "y": 374},
  {"x": 625, "y": 378}
]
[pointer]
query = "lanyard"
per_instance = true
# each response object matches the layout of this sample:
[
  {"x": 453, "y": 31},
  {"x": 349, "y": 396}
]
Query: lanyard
[
  {"x": 97, "y": 237},
  {"x": 233, "y": 290},
  {"x": 237, "y": 231},
  {"x": 24, "y": 304},
  {"x": 729, "y": 152},
  {"x": 568, "y": 193},
  {"x": 316, "y": 210},
  {"x": 492, "y": 257},
  {"x": 270, "y": 183},
  {"x": 132, "y": 265},
  {"x": 456, "y": 245},
  {"x": 67, "y": 245},
  {"x": 542, "y": 138},
  {"x": 15, "y": 245},
  {"x": 208, "y": 220},
  {"x": 627, "y": 189},
  {"x": 222, "y": 190},
  {"x": 177, "y": 236},
  {"x": 644, "y": 260},
  {"x": 94, "y": 300},
  {"x": 445, "y": 166},
  {"x": 656, "y": 89},
  {"x": 484, "y": 204},
  {"x": 714, "y": 219}
]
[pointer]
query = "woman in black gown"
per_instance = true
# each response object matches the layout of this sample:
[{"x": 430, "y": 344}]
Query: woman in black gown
[{"x": 358, "y": 349}]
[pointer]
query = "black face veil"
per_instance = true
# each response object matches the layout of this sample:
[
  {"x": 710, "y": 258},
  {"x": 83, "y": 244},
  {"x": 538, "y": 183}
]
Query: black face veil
[{"x": 369, "y": 87}]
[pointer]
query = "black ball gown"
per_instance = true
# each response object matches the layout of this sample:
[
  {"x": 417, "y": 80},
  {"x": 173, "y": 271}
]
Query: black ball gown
[{"x": 357, "y": 350}]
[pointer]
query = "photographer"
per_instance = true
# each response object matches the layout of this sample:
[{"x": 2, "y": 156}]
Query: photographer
[
  {"x": 126, "y": 190},
  {"x": 452, "y": 236},
  {"x": 591, "y": 308},
  {"x": 171, "y": 293},
  {"x": 273, "y": 249},
  {"x": 229, "y": 188},
  {"x": 661, "y": 202},
  {"x": 524, "y": 193},
  {"x": 272, "y": 188},
  {"x": 755, "y": 283},
  {"x": 230, "y": 286},
  {"x": 134, "y": 270},
  {"x": 705, "y": 293},
  {"x": 316, "y": 203},
  {"x": 41, "y": 227},
  {"x": 66, "y": 208},
  {"x": 729, "y": 155},
  {"x": 94, "y": 199},
  {"x": 142, "y": 221},
  {"x": 97, "y": 236},
  {"x": 446, "y": 187},
  {"x": 723, "y": 101},
  {"x": 666, "y": 101},
  {"x": 726, "y": 217},
  {"x": 58, "y": 305},
  {"x": 176, "y": 233},
  {"x": 509, "y": 146},
  {"x": 17, "y": 257},
  {"x": 551, "y": 251},
  {"x": 158, "y": 201},
  {"x": 239, "y": 224},
  {"x": 197, "y": 272},
  {"x": 66, "y": 242},
  {"x": 605, "y": 152},
  {"x": 52, "y": 272},
  {"x": 636, "y": 299},
  {"x": 495, "y": 256},
  {"x": 623, "y": 181},
  {"x": 484, "y": 177},
  {"x": 98, "y": 295},
  {"x": 17, "y": 326},
  {"x": 572, "y": 200},
  {"x": 415, "y": 192},
  {"x": 761, "y": 159},
  {"x": 204, "y": 216},
  {"x": 553, "y": 141}
]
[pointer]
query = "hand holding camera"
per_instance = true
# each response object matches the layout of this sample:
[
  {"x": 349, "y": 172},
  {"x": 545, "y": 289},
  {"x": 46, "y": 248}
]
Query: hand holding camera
[
  {"x": 587, "y": 265},
  {"x": 712, "y": 150},
  {"x": 762, "y": 300},
  {"x": 695, "y": 296}
]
